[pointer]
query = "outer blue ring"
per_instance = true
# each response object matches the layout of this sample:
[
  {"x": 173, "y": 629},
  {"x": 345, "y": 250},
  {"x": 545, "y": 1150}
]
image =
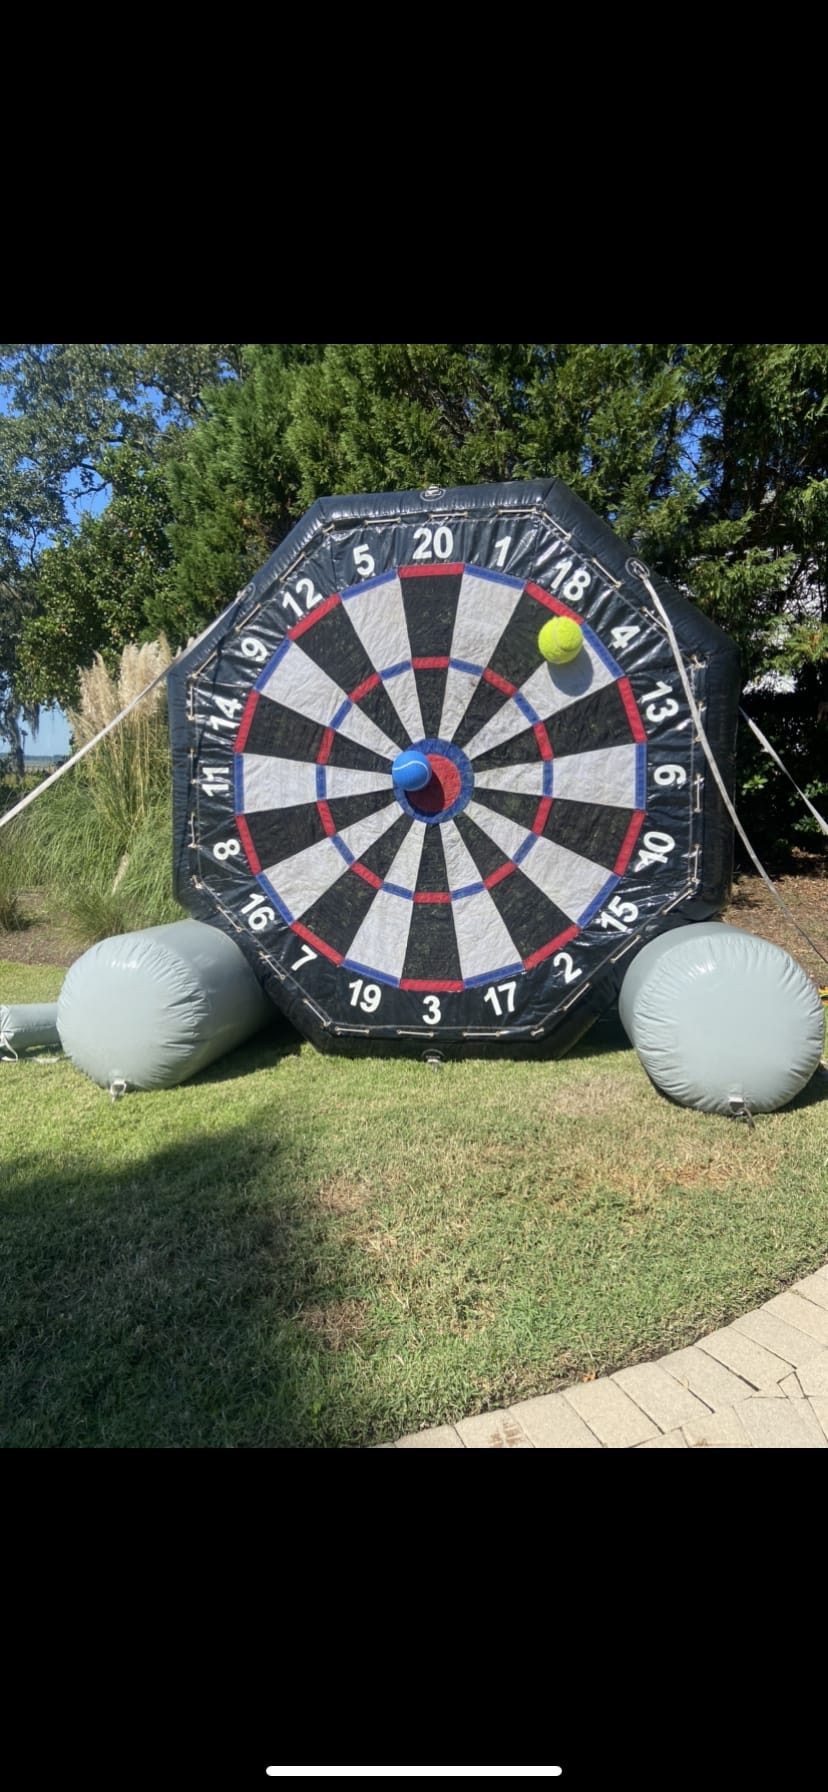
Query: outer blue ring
[{"x": 448, "y": 751}]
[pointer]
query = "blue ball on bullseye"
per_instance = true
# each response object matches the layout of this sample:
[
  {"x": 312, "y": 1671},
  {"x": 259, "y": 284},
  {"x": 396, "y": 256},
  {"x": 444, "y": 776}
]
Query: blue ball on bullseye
[{"x": 411, "y": 770}]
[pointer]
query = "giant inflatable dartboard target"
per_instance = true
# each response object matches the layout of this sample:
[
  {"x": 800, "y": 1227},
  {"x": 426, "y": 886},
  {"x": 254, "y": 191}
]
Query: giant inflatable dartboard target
[{"x": 568, "y": 814}]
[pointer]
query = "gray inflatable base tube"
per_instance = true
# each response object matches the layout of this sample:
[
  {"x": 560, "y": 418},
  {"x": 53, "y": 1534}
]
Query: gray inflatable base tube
[
  {"x": 720, "y": 1018},
  {"x": 151, "y": 1008},
  {"x": 26, "y": 1025}
]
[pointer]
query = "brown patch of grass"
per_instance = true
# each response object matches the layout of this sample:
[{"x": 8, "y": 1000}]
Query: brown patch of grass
[
  {"x": 343, "y": 1194},
  {"x": 376, "y": 1243},
  {"x": 717, "y": 1172},
  {"x": 335, "y": 1325},
  {"x": 670, "y": 1157},
  {"x": 346, "y": 1198}
]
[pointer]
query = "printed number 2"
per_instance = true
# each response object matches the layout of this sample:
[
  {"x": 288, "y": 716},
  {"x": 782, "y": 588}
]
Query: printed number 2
[{"x": 569, "y": 971}]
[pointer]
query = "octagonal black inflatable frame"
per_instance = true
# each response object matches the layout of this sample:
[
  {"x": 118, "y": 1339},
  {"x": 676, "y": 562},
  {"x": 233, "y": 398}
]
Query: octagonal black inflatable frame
[{"x": 570, "y": 816}]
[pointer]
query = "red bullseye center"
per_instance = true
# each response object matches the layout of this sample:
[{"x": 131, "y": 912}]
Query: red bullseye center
[{"x": 443, "y": 788}]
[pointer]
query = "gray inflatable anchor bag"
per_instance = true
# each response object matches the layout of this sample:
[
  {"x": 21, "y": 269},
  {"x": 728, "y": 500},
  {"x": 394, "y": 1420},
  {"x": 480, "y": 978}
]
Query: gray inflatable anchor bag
[
  {"x": 722, "y": 1020},
  {"x": 146, "y": 1010},
  {"x": 26, "y": 1025}
]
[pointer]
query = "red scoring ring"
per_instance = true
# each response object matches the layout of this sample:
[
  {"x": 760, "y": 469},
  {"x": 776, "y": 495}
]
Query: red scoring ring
[{"x": 443, "y": 788}]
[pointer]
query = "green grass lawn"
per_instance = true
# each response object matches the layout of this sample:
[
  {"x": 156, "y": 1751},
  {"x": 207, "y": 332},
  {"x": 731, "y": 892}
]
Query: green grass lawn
[{"x": 298, "y": 1250}]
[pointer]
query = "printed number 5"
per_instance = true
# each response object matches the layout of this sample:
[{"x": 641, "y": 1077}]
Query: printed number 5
[
  {"x": 363, "y": 561},
  {"x": 431, "y": 1002}
]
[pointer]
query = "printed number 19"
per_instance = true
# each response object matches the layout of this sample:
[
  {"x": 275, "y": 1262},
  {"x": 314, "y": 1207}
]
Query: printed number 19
[{"x": 370, "y": 994}]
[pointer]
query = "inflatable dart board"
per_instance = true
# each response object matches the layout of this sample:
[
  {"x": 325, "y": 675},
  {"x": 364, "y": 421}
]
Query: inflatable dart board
[{"x": 421, "y": 830}]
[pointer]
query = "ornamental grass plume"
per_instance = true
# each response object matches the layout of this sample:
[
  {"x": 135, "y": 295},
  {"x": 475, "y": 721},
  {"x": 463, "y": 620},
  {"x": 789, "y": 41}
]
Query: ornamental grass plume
[{"x": 127, "y": 771}]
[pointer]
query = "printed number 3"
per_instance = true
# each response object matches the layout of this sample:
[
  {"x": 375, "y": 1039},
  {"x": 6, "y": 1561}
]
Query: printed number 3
[{"x": 431, "y": 1003}]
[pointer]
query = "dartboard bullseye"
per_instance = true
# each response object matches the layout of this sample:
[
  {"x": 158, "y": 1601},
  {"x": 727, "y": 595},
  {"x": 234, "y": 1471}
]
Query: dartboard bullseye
[{"x": 423, "y": 812}]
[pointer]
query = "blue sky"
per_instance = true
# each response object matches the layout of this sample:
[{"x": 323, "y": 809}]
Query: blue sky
[{"x": 52, "y": 735}]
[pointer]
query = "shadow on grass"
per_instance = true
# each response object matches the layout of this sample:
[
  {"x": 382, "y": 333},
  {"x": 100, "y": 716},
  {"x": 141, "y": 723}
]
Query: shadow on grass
[
  {"x": 264, "y": 1051},
  {"x": 605, "y": 1035},
  {"x": 814, "y": 1091},
  {"x": 160, "y": 1304}
]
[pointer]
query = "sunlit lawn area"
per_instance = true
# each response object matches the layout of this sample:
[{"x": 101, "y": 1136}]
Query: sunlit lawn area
[{"x": 298, "y": 1250}]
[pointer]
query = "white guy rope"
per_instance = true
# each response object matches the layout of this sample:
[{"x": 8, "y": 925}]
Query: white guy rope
[
  {"x": 774, "y": 755},
  {"x": 68, "y": 763},
  {"x": 640, "y": 571}
]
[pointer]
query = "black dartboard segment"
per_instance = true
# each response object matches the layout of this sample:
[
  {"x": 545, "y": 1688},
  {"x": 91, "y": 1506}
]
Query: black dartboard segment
[{"x": 567, "y": 814}]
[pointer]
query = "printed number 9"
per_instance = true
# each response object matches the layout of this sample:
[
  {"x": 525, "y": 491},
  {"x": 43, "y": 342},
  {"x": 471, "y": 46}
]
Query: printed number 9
[{"x": 253, "y": 649}]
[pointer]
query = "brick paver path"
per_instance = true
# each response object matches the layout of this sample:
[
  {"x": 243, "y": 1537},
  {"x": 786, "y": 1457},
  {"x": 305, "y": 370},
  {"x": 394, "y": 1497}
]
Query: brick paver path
[{"x": 758, "y": 1384}]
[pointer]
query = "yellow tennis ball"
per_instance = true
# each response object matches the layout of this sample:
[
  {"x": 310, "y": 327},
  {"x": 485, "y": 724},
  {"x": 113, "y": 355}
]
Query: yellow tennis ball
[{"x": 560, "y": 640}]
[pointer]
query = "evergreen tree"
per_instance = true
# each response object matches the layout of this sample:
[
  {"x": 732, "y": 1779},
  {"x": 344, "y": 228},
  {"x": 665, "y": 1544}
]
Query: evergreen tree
[{"x": 80, "y": 422}]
